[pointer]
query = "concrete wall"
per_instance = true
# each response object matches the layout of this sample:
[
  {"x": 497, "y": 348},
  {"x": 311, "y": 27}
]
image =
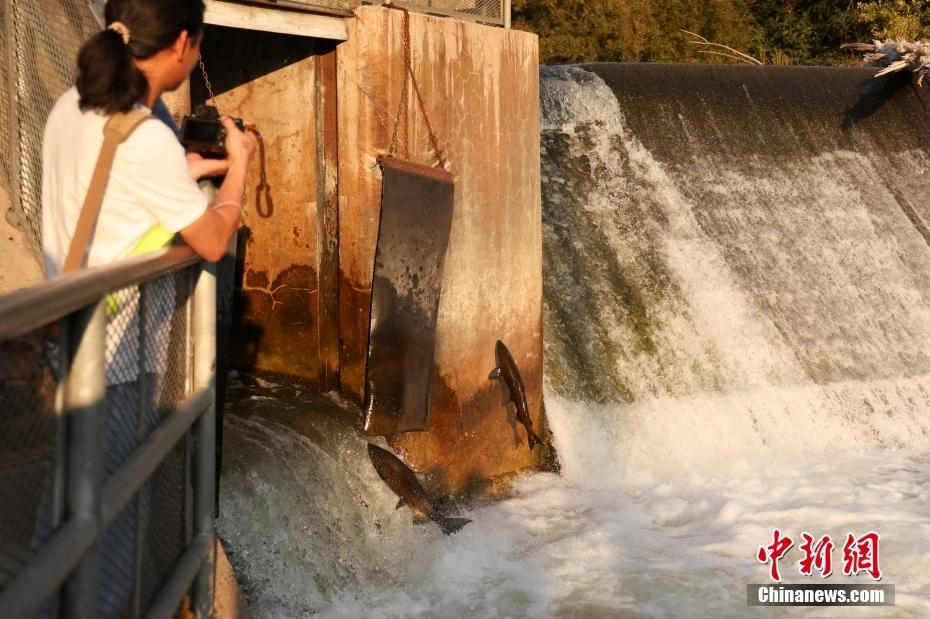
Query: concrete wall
[
  {"x": 481, "y": 92},
  {"x": 307, "y": 257},
  {"x": 279, "y": 82}
]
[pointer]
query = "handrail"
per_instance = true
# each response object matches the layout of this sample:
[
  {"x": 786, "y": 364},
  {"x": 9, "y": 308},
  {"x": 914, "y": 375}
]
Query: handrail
[
  {"x": 30, "y": 308},
  {"x": 124, "y": 484},
  {"x": 67, "y": 568},
  {"x": 30, "y": 589},
  {"x": 169, "y": 598},
  {"x": 26, "y": 595}
]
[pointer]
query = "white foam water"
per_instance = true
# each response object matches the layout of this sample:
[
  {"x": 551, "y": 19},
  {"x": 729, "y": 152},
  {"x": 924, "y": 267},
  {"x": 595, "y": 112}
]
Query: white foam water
[
  {"x": 713, "y": 373},
  {"x": 316, "y": 533}
]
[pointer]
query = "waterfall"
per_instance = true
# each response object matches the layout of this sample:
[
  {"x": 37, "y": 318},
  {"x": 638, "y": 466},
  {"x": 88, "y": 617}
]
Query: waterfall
[
  {"x": 726, "y": 307},
  {"x": 736, "y": 271}
]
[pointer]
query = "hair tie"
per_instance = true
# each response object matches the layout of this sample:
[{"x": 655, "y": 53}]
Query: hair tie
[{"x": 121, "y": 29}]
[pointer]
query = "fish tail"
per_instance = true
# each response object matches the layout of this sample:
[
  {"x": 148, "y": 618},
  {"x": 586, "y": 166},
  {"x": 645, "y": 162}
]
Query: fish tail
[
  {"x": 450, "y": 525},
  {"x": 532, "y": 438}
]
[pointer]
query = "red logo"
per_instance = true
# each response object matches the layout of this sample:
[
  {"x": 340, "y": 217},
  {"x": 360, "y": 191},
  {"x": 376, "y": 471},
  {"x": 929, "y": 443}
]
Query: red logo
[
  {"x": 860, "y": 554},
  {"x": 775, "y": 551},
  {"x": 817, "y": 556}
]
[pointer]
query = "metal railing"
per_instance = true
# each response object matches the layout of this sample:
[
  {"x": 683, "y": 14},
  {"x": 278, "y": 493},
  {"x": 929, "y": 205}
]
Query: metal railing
[
  {"x": 493, "y": 12},
  {"x": 107, "y": 441}
]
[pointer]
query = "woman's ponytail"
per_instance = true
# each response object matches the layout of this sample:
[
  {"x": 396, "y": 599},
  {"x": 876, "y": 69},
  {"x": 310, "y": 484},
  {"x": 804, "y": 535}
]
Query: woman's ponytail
[{"x": 108, "y": 80}]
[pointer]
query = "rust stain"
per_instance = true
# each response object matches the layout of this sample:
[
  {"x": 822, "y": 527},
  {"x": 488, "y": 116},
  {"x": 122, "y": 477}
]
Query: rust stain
[
  {"x": 354, "y": 311},
  {"x": 474, "y": 447},
  {"x": 256, "y": 279},
  {"x": 277, "y": 323},
  {"x": 482, "y": 87},
  {"x": 331, "y": 226}
]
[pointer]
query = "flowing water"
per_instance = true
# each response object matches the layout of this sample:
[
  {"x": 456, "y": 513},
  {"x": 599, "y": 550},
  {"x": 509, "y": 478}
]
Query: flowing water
[{"x": 736, "y": 341}]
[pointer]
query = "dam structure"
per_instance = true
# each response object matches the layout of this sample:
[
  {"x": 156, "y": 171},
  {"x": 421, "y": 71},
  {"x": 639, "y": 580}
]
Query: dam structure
[
  {"x": 713, "y": 279},
  {"x": 325, "y": 288},
  {"x": 735, "y": 280}
]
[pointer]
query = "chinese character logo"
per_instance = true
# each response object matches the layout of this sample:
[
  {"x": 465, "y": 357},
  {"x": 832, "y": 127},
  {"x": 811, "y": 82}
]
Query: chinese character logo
[
  {"x": 774, "y": 551},
  {"x": 861, "y": 555},
  {"x": 817, "y": 556}
]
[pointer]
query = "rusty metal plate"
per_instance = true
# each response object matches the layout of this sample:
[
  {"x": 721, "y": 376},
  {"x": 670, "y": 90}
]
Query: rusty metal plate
[{"x": 416, "y": 219}]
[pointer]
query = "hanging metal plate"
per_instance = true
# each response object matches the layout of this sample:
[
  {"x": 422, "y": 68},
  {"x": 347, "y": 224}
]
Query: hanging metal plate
[{"x": 416, "y": 219}]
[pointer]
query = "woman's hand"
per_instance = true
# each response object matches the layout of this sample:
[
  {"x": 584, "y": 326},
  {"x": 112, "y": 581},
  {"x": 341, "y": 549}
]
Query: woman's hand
[
  {"x": 240, "y": 145},
  {"x": 205, "y": 168}
]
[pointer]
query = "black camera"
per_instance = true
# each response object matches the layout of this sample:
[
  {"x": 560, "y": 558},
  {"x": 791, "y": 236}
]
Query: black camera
[{"x": 202, "y": 132}]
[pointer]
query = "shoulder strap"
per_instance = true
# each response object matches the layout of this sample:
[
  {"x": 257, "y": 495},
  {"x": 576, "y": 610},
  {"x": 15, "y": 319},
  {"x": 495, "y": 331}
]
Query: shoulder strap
[{"x": 118, "y": 128}]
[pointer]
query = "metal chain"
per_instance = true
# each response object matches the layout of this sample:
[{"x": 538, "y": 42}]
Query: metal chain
[
  {"x": 408, "y": 72},
  {"x": 401, "y": 107},
  {"x": 206, "y": 81},
  {"x": 263, "y": 189},
  {"x": 408, "y": 61}
]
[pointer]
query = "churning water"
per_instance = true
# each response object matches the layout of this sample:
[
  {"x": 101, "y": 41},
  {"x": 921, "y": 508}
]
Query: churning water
[{"x": 736, "y": 341}]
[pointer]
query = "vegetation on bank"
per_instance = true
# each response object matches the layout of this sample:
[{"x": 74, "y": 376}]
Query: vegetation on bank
[{"x": 773, "y": 31}]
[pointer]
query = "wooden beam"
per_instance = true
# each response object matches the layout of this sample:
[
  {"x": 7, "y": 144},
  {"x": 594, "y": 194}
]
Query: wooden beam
[
  {"x": 327, "y": 159},
  {"x": 221, "y": 13}
]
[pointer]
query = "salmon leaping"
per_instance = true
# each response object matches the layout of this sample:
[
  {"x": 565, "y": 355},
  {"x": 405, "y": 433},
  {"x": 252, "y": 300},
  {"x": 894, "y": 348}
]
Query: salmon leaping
[
  {"x": 401, "y": 480},
  {"x": 507, "y": 371}
]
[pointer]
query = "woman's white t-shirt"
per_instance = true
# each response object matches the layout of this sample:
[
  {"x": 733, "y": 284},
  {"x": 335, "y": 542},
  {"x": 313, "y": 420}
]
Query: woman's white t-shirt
[{"x": 150, "y": 184}]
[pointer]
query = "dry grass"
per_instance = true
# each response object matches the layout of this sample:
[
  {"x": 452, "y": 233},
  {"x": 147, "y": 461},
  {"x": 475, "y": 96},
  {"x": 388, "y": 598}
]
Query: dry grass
[{"x": 714, "y": 49}]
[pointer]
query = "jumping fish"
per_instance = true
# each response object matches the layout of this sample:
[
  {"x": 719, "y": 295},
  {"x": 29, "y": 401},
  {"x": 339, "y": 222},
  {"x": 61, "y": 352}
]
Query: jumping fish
[
  {"x": 401, "y": 480},
  {"x": 507, "y": 371}
]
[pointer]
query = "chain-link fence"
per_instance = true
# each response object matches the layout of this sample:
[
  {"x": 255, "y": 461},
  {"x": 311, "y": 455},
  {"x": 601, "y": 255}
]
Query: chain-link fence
[
  {"x": 28, "y": 430},
  {"x": 105, "y": 417},
  {"x": 496, "y": 12},
  {"x": 39, "y": 42}
]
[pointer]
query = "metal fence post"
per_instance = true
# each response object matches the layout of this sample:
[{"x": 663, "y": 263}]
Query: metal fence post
[
  {"x": 505, "y": 12},
  {"x": 204, "y": 336},
  {"x": 141, "y": 430},
  {"x": 85, "y": 410}
]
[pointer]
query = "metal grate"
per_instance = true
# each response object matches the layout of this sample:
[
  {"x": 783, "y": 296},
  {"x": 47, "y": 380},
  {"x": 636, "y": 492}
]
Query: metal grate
[
  {"x": 487, "y": 11},
  {"x": 341, "y": 5},
  {"x": 27, "y": 448},
  {"x": 148, "y": 371},
  {"x": 149, "y": 374},
  {"x": 166, "y": 531},
  {"x": 168, "y": 328},
  {"x": 496, "y": 12},
  {"x": 39, "y": 44}
]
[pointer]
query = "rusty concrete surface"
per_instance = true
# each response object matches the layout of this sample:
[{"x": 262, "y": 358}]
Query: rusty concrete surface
[
  {"x": 481, "y": 92},
  {"x": 270, "y": 80}
]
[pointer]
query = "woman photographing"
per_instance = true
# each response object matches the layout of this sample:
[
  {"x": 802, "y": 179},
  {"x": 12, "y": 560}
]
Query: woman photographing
[
  {"x": 147, "y": 197},
  {"x": 149, "y": 47}
]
